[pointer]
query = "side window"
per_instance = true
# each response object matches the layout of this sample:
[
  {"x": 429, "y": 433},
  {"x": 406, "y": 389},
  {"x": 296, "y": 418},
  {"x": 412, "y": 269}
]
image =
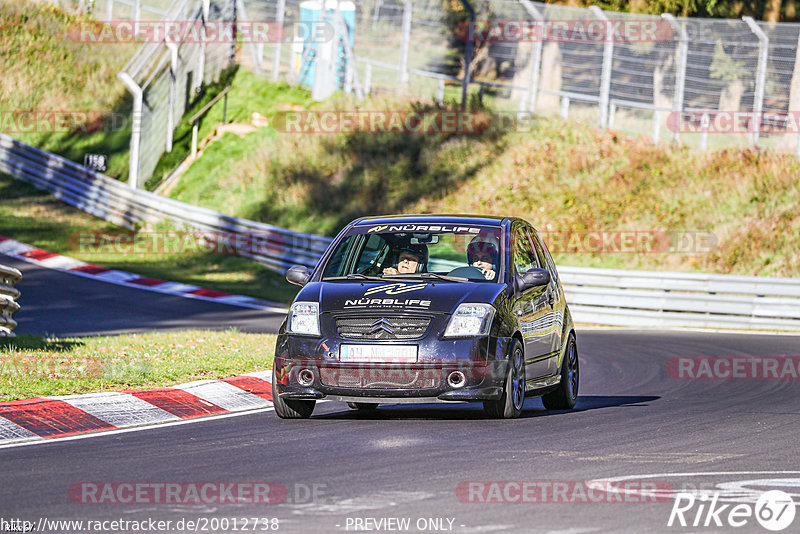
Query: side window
[
  {"x": 374, "y": 250},
  {"x": 544, "y": 254},
  {"x": 524, "y": 256}
]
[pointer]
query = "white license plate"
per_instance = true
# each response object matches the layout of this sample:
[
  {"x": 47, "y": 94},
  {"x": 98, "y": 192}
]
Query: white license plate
[{"x": 378, "y": 353}]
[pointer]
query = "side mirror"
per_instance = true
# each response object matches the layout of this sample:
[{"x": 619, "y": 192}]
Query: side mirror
[
  {"x": 298, "y": 275},
  {"x": 533, "y": 278}
]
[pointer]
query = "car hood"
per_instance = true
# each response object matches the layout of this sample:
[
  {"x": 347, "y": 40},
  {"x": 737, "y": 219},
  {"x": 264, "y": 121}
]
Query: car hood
[{"x": 411, "y": 296}]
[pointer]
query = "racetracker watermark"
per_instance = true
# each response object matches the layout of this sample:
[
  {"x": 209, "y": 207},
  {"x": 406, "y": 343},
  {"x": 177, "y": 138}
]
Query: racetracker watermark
[
  {"x": 202, "y": 493},
  {"x": 383, "y": 121},
  {"x": 17, "y": 366},
  {"x": 167, "y": 243},
  {"x": 734, "y": 368},
  {"x": 630, "y": 242},
  {"x": 563, "y": 492},
  {"x": 62, "y": 121},
  {"x": 567, "y": 30},
  {"x": 196, "y": 31},
  {"x": 734, "y": 122}
]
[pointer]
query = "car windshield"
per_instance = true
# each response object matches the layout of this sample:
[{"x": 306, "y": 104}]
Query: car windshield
[{"x": 443, "y": 252}]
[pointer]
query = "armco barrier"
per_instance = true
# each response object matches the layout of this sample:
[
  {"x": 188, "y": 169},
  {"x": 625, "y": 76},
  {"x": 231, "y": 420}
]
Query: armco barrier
[
  {"x": 9, "y": 277},
  {"x": 115, "y": 202},
  {"x": 659, "y": 299},
  {"x": 600, "y": 296}
]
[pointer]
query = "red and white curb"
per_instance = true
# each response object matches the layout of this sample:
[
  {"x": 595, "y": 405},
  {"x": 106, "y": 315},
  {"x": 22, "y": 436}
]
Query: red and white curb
[
  {"x": 50, "y": 260},
  {"x": 43, "y": 418}
]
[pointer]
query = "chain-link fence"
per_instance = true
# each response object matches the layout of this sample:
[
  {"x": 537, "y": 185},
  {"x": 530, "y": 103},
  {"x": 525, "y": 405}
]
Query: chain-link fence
[
  {"x": 709, "y": 83},
  {"x": 164, "y": 76}
]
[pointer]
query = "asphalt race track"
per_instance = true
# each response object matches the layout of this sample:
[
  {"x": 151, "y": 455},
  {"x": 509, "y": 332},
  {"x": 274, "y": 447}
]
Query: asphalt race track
[
  {"x": 348, "y": 471},
  {"x": 63, "y": 304}
]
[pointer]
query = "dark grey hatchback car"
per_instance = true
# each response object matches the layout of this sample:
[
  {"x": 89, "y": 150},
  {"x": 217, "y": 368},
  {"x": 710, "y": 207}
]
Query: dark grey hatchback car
[{"x": 428, "y": 308}]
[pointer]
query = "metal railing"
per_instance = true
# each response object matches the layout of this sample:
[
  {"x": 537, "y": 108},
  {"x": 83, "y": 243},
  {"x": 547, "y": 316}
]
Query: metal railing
[
  {"x": 194, "y": 120},
  {"x": 732, "y": 65},
  {"x": 164, "y": 77},
  {"x": 659, "y": 299},
  {"x": 9, "y": 277}
]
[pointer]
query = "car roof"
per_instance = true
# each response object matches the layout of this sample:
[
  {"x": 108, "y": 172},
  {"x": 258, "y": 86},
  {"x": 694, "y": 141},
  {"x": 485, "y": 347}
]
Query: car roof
[{"x": 485, "y": 220}]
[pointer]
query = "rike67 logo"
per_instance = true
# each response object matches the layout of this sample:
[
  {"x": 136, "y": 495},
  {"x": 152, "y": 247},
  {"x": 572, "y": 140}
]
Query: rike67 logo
[{"x": 774, "y": 510}]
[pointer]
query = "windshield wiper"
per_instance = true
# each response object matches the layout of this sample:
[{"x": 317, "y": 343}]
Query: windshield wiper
[
  {"x": 443, "y": 277},
  {"x": 354, "y": 276}
]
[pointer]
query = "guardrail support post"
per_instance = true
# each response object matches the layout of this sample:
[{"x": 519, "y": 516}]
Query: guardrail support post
[
  {"x": 605, "y": 76},
  {"x": 367, "y": 79},
  {"x": 680, "y": 70},
  {"x": 468, "y": 54},
  {"x": 407, "y": 13},
  {"x": 194, "y": 140},
  {"x": 704, "y": 131},
  {"x": 612, "y": 112},
  {"x": 536, "y": 56},
  {"x": 440, "y": 92},
  {"x": 564, "y": 107},
  {"x": 276, "y": 53},
  {"x": 173, "y": 70},
  {"x": 109, "y": 9},
  {"x": 761, "y": 77},
  {"x": 656, "y": 126},
  {"x": 136, "y": 128}
]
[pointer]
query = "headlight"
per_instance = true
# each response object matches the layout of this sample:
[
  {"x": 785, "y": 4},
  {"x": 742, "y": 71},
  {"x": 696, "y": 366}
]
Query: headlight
[
  {"x": 470, "y": 320},
  {"x": 304, "y": 318}
]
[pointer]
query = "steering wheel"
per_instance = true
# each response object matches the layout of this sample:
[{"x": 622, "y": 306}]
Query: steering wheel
[{"x": 469, "y": 272}]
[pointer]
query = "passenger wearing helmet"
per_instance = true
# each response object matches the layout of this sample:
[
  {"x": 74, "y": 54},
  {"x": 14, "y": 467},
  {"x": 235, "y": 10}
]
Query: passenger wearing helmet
[
  {"x": 410, "y": 259},
  {"x": 482, "y": 253}
]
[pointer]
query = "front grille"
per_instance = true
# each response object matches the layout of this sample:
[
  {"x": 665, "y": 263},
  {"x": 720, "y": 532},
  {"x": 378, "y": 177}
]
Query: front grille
[
  {"x": 382, "y": 328},
  {"x": 381, "y": 378}
]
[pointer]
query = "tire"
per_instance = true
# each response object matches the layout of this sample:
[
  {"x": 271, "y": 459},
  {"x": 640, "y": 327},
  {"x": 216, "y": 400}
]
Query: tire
[
  {"x": 291, "y": 409},
  {"x": 363, "y": 406},
  {"x": 509, "y": 406},
  {"x": 565, "y": 395}
]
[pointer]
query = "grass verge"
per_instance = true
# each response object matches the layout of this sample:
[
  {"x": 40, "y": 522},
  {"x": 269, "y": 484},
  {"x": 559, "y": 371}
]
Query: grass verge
[
  {"x": 32, "y": 366},
  {"x": 37, "y": 218},
  {"x": 568, "y": 178}
]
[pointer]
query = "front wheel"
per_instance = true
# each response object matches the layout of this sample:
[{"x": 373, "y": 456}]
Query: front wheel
[
  {"x": 565, "y": 395},
  {"x": 291, "y": 408},
  {"x": 509, "y": 406}
]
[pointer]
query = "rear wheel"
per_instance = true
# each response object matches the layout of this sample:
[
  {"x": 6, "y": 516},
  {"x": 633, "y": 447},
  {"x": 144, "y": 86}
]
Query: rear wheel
[
  {"x": 363, "y": 406},
  {"x": 291, "y": 408},
  {"x": 510, "y": 404},
  {"x": 566, "y": 395}
]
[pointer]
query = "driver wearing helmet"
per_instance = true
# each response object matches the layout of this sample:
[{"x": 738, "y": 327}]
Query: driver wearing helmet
[
  {"x": 410, "y": 259},
  {"x": 483, "y": 253}
]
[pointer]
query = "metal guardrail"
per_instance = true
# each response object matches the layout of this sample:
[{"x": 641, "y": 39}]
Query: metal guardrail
[
  {"x": 658, "y": 299},
  {"x": 599, "y": 296},
  {"x": 115, "y": 202},
  {"x": 9, "y": 277}
]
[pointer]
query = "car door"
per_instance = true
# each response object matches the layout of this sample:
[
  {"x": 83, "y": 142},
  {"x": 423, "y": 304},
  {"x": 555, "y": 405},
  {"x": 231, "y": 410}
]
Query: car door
[
  {"x": 555, "y": 298},
  {"x": 530, "y": 306}
]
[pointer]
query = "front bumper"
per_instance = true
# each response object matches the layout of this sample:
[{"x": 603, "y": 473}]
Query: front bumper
[{"x": 480, "y": 361}]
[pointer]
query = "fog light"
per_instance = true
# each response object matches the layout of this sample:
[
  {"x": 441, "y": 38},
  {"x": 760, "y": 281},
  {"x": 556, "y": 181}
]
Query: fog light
[
  {"x": 456, "y": 379},
  {"x": 305, "y": 377}
]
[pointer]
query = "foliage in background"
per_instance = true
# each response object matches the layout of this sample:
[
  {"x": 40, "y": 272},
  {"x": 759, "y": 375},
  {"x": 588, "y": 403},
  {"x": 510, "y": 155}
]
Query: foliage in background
[
  {"x": 43, "y": 70},
  {"x": 562, "y": 176},
  {"x": 38, "y": 219}
]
